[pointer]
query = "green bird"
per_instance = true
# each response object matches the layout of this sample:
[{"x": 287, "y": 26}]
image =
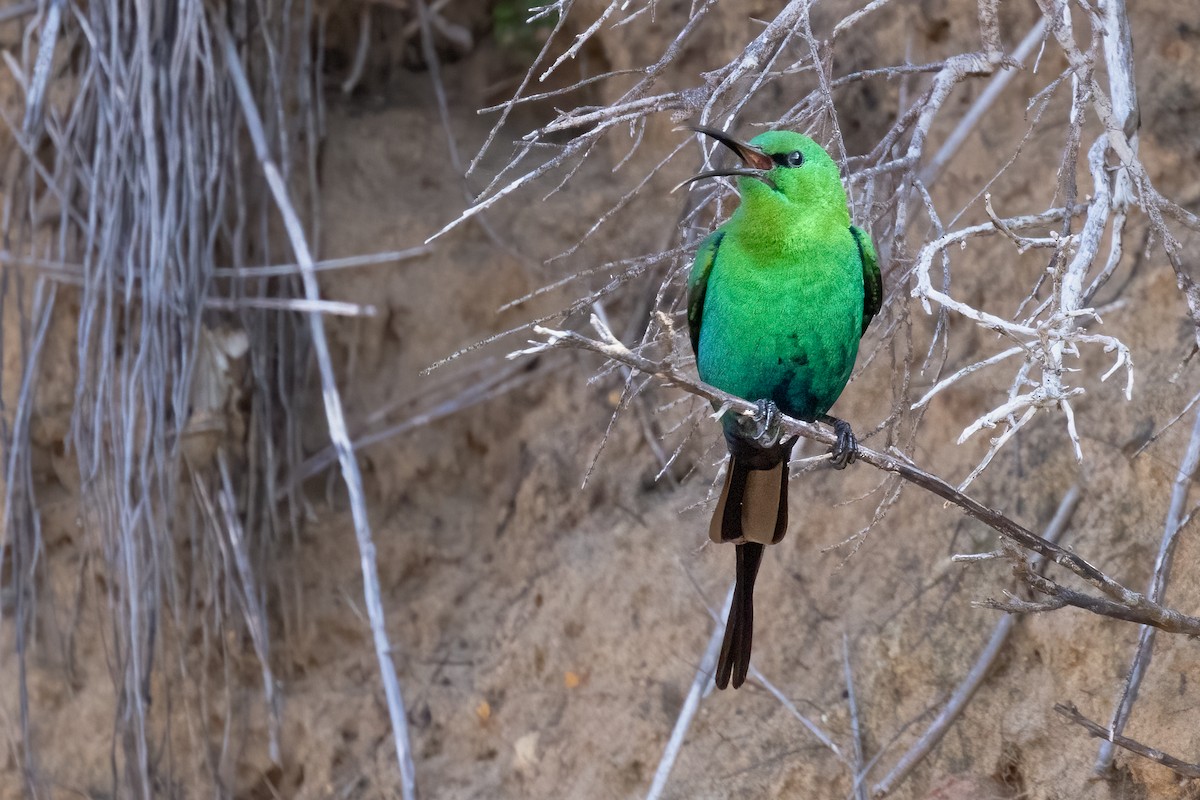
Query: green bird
[{"x": 778, "y": 298}]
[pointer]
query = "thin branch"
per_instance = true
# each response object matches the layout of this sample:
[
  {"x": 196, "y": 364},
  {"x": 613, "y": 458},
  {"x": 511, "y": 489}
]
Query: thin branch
[
  {"x": 279, "y": 270},
  {"x": 1121, "y": 602},
  {"x": 334, "y": 417},
  {"x": 718, "y": 635},
  {"x": 1155, "y": 592},
  {"x": 691, "y": 704},
  {"x": 986, "y": 99},
  {"x": 977, "y": 674},
  {"x": 1183, "y": 768},
  {"x": 820, "y": 735},
  {"x": 860, "y": 786}
]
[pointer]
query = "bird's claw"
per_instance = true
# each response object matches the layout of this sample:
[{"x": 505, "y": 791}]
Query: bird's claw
[
  {"x": 763, "y": 426},
  {"x": 845, "y": 449}
]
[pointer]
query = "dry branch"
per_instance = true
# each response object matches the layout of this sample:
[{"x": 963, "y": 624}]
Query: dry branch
[
  {"x": 1156, "y": 590},
  {"x": 1117, "y": 601},
  {"x": 701, "y": 683},
  {"x": 975, "y": 676},
  {"x": 334, "y": 417},
  {"x": 1184, "y": 768}
]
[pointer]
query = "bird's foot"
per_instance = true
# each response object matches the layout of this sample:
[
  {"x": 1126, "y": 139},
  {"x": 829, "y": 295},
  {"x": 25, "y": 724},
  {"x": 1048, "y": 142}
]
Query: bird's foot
[
  {"x": 763, "y": 426},
  {"x": 845, "y": 449},
  {"x": 766, "y": 424}
]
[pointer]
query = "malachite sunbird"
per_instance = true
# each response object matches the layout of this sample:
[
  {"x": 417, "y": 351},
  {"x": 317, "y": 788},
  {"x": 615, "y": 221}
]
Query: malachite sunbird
[{"x": 778, "y": 298}]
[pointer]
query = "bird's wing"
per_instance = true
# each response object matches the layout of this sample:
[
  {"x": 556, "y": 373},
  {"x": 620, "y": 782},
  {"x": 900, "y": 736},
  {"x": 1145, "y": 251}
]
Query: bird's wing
[
  {"x": 872, "y": 280},
  {"x": 698, "y": 284}
]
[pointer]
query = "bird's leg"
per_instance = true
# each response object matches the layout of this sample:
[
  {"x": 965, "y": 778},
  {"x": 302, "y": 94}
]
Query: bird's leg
[
  {"x": 845, "y": 449},
  {"x": 763, "y": 426},
  {"x": 766, "y": 420}
]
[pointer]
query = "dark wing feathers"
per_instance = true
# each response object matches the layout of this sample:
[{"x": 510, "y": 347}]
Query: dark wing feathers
[
  {"x": 706, "y": 256},
  {"x": 872, "y": 280}
]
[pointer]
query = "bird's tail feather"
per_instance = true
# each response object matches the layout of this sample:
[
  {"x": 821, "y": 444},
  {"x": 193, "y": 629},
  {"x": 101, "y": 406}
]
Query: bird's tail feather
[
  {"x": 734, "y": 662},
  {"x": 753, "y": 504},
  {"x": 752, "y": 511}
]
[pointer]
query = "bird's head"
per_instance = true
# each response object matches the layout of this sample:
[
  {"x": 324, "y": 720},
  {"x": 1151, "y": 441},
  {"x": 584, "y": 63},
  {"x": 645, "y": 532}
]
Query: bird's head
[{"x": 780, "y": 167}]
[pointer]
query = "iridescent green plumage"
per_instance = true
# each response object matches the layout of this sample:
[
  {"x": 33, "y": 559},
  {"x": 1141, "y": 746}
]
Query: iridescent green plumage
[{"x": 778, "y": 298}]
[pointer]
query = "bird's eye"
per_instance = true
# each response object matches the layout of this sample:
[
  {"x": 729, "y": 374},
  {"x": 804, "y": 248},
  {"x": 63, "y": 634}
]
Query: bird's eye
[{"x": 795, "y": 158}]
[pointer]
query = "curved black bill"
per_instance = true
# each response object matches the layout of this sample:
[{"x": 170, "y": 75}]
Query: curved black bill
[
  {"x": 757, "y": 162},
  {"x": 750, "y": 155}
]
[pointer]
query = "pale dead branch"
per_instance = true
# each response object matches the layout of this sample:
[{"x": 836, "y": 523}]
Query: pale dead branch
[
  {"x": 1155, "y": 592},
  {"x": 335, "y": 419},
  {"x": 701, "y": 684}
]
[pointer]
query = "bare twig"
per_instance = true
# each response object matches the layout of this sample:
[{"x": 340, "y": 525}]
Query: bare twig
[
  {"x": 1045, "y": 341},
  {"x": 494, "y": 383},
  {"x": 1155, "y": 592},
  {"x": 1183, "y": 768},
  {"x": 36, "y": 91},
  {"x": 702, "y": 686},
  {"x": 691, "y": 704},
  {"x": 360, "y": 51},
  {"x": 335, "y": 419},
  {"x": 255, "y": 613},
  {"x": 979, "y": 108},
  {"x": 336, "y": 308},
  {"x": 346, "y": 262},
  {"x": 977, "y": 674},
  {"x": 860, "y": 786},
  {"x": 810, "y": 726}
]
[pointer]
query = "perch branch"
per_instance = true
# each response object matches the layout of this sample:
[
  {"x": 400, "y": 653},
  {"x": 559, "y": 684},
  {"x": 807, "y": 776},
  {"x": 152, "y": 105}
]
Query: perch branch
[{"x": 1121, "y": 602}]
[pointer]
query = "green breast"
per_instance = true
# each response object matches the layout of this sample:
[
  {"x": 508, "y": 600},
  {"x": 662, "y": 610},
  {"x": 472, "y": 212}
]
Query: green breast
[{"x": 783, "y": 326}]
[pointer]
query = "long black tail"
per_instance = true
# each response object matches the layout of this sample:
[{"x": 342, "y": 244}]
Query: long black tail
[
  {"x": 752, "y": 512},
  {"x": 739, "y": 630}
]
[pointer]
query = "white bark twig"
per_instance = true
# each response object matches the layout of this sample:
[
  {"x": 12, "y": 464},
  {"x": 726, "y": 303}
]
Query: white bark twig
[
  {"x": 333, "y": 415},
  {"x": 1046, "y": 340},
  {"x": 1158, "y": 586},
  {"x": 691, "y": 704}
]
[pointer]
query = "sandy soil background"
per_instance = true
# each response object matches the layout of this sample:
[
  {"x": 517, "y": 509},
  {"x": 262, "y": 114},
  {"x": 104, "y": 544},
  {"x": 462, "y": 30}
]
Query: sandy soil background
[{"x": 547, "y": 634}]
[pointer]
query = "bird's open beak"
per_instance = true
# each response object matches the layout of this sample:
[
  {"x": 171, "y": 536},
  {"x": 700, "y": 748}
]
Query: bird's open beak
[{"x": 757, "y": 163}]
